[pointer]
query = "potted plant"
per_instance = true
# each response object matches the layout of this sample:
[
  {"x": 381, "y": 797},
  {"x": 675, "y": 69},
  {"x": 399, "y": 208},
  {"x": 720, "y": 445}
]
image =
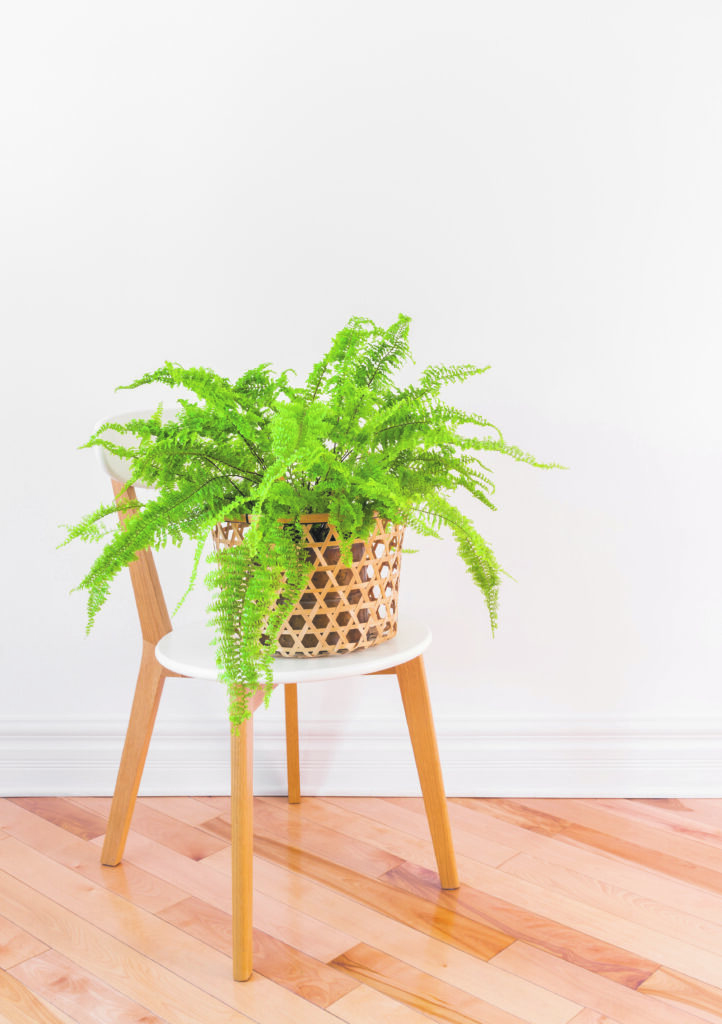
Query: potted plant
[{"x": 289, "y": 474}]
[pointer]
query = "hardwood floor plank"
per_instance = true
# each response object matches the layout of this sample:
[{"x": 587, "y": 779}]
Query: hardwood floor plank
[
  {"x": 272, "y": 958},
  {"x": 486, "y": 848},
  {"x": 455, "y": 929},
  {"x": 366, "y": 1005},
  {"x": 591, "y": 990},
  {"x": 640, "y": 879},
  {"x": 281, "y": 819},
  {"x": 656, "y": 860},
  {"x": 569, "y": 912},
  {"x": 571, "y": 944},
  {"x": 680, "y": 847},
  {"x": 187, "y": 809},
  {"x": 210, "y": 881},
  {"x": 16, "y": 945},
  {"x": 77, "y": 992},
  {"x": 19, "y": 1005},
  {"x": 167, "y": 994},
  {"x": 544, "y": 823},
  {"x": 194, "y": 843},
  {"x": 592, "y": 1017},
  {"x": 64, "y": 813},
  {"x": 176, "y": 952},
  {"x": 220, "y": 804},
  {"x": 132, "y": 883},
  {"x": 664, "y": 820},
  {"x": 670, "y": 951},
  {"x": 429, "y": 995},
  {"x": 704, "y": 1000},
  {"x": 709, "y": 810},
  {"x": 355, "y": 827},
  {"x": 289, "y": 823},
  {"x": 617, "y": 900},
  {"x": 402, "y": 942}
]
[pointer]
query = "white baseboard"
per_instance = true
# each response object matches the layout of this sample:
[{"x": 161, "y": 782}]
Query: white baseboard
[{"x": 499, "y": 757}]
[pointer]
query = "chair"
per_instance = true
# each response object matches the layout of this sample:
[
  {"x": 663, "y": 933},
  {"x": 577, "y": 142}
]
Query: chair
[{"x": 187, "y": 653}]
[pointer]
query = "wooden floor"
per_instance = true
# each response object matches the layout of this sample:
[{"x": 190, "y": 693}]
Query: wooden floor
[{"x": 584, "y": 911}]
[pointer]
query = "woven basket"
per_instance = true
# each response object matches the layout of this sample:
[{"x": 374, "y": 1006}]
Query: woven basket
[{"x": 343, "y": 608}]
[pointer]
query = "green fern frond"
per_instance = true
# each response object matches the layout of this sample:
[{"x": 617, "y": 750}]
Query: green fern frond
[{"x": 348, "y": 442}]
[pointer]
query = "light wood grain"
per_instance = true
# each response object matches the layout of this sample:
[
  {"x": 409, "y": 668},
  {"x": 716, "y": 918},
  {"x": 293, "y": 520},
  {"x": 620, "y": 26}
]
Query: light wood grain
[
  {"x": 544, "y": 823},
  {"x": 143, "y": 713},
  {"x": 189, "y": 840},
  {"x": 653, "y": 859},
  {"x": 16, "y": 945},
  {"x": 419, "y": 719},
  {"x": 154, "y": 623},
  {"x": 273, "y": 958},
  {"x": 138, "y": 886},
  {"x": 187, "y": 809},
  {"x": 143, "y": 935},
  {"x": 276, "y": 819},
  {"x": 592, "y": 990},
  {"x": 64, "y": 813},
  {"x": 204, "y": 880},
  {"x": 436, "y": 998},
  {"x": 592, "y": 1017},
  {"x": 168, "y": 995},
  {"x": 365, "y": 1005},
  {"x": 19, "y": 1005},
  {"x": 455, "y": 929},
  {"x": 703, "y": 1000},
  {"x": 242, "y": 848},
  {"x": 681, "y": 894},
  {"x": 293, "y": 769},
  {"x": 625, "y": 932},
  {"x": 590, "y": 936},
  {"x": 679, "y": 820},
  {"x": 480, "y": 845},
  {"x": 81, "y": 995},
  {"x": 678, "y": 847},
  {"x": 403, "y": 942},
  {"x": 570, "y": 944},
  {"x": 702, "y": 810},
  {"x": 355, "y": 829},
  {"x": 618, "y": 900}
]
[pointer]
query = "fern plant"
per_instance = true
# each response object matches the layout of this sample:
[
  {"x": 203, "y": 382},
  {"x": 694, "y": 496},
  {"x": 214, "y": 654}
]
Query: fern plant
[{"x": 349, "y": 442}]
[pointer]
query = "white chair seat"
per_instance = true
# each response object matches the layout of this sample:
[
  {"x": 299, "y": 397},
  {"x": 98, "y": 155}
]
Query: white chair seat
[{"x": 188, "y": 651}]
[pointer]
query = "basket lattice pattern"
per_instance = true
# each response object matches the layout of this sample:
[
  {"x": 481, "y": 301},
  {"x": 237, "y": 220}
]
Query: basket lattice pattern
[{"x": 343, "y": 608}]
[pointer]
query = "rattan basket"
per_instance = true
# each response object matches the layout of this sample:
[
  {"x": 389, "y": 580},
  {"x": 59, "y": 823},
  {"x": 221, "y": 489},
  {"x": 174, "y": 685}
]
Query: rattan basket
[{"x": 343, "y": 608}]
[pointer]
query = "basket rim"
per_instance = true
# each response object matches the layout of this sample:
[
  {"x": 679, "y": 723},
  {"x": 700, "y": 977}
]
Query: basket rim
[{"x": 315, "y": 517}]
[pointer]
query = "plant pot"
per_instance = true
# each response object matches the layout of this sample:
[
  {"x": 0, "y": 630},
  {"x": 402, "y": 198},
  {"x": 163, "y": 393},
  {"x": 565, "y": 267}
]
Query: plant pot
[{"x": 343, "y": 608}]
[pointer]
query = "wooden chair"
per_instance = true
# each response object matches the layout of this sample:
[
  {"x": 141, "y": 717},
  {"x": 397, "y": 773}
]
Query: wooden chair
[{"x": 187, "y": 653}]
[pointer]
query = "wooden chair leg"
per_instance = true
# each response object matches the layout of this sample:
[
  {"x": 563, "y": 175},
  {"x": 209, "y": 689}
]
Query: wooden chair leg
[
  {"x": 415, "y": 696},
  {"x": 292, "y": 759},
  {"x": 242, "y": 849},
  {"x": 148, "y": 692}
]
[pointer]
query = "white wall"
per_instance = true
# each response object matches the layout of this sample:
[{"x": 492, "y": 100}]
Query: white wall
[{"x": 538, "y": 186}]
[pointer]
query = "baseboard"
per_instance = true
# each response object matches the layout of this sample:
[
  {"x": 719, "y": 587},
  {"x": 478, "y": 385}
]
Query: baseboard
[{"x": 500, "y": 757}]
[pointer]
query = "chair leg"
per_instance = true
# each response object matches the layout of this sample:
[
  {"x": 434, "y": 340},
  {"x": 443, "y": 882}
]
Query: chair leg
[
  {"x": 292, "y": 759},
  {"x": 148, "y": 692},
  {"x": 415, "y": 696},
  {"x": 242, "y": 848}
]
